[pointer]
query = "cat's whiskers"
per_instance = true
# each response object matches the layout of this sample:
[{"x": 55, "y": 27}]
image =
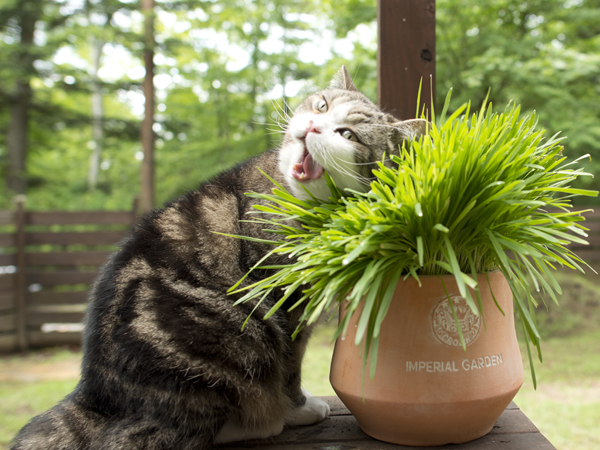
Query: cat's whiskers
[
  {"x": 283, "y": 118},
  {"x": 282, "y": 112},
  {"x": 286, "y": 117},
  {"x": 331, "y": 162},
  {"x": 281, "y": 130},
  {"x": 287, "y": 108},
  {"x": 369, "y": 163},
  {"x": 279, "y": 124}
]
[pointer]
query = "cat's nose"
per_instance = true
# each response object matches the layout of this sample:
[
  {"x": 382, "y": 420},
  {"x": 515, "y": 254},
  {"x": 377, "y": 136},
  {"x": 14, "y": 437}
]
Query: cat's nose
[{"x": 312, "y": 128}]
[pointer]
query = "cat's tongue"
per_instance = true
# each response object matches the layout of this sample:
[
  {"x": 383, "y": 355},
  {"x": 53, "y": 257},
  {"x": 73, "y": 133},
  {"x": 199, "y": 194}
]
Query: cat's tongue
[{"x": 307, "y": 168}]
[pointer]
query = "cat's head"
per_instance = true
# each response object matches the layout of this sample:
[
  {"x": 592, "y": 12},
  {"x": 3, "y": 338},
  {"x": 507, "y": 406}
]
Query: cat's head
[{"x": 341, "y": 131}]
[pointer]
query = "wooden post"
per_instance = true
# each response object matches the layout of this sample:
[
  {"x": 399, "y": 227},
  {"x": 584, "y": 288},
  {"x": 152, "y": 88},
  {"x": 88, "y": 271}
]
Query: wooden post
[
  {"x": 20, "y": 287},
  {"x": 406, "y": 54},
  {"x": 147, "y": 133}
]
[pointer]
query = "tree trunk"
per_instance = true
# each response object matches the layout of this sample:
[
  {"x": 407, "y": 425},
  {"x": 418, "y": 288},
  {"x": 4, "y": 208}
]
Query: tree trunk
[
  {"x": 97, "y": 114},
  {"x": 147, "y": 175},
  {"x": 16, "y": 136}
]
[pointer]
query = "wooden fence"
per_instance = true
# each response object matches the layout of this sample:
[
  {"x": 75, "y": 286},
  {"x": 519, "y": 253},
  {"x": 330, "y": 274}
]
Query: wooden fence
[{"x": 48, "y": 260}]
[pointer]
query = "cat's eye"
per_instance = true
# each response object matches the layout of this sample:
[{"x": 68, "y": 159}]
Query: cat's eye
[
  {"x": 320, "y": 106},
  {"x": 349, "y": 135}
]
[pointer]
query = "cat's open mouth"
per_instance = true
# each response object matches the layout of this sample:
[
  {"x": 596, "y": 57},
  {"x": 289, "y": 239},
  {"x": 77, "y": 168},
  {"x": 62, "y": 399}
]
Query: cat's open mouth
[{"x": 307, "y": 168}]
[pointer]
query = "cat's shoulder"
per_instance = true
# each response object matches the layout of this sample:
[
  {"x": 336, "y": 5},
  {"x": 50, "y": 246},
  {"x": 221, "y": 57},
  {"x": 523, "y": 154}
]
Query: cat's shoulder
[
  {"x": 216, "y": 204},
  {"x": 250, "y": 174}
]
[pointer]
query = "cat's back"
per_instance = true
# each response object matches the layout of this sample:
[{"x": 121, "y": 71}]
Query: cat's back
[
  {"x": 175, "y": 267},
  {"x": 185, "y": 239},
  {"x": 162, "y": 339}
]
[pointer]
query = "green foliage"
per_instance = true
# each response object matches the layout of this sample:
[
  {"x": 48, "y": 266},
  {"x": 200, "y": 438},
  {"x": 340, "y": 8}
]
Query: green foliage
[
  {"x": 220, "y": 110},
  {"x": 31, "y": 383},
  {"x": 541, "y": 54},
  {"x": 460, "y": 198},
  {"x": 59, "y": 134},
  {"x": 566, "y": 407},
  {"x": 21, "y": 401},
  {"x": 220, "y": 65},
  {"x": 577, "y": 311}
]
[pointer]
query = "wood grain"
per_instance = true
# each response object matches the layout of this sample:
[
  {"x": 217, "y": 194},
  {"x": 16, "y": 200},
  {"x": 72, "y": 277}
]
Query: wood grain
[
  {"x": 8, "y": 323},
  {"x": 340, "y": 431},
  {"x": 6, "y": 218},
  {"x": 42, "y": 257},
  {"x": 44, "y": 298},
  {"x": 7, "y": 240},
  {"x": 20, "y": 283},
  {"x": 59, "y": 278},
  {"x": 79, "y": 218},
  {"x": 406, "y": 55},
  {"x": 7, "y": 300},
  {"x": 36, "y": 320},
  {"x": 66, "y": 258},
  {"x": 39, "y": 339},
  {"x": 8, "y": 342},
  {"x": 72, "y": 238},
  {"x": 7, "y": 281},
  {"x": 7, "y": 260}
]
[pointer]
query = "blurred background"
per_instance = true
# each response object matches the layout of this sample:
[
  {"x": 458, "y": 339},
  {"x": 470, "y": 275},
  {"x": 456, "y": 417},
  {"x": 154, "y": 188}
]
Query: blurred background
[
  {"x": 72, "y": 105},
  {"x": 71, "y": 99}
]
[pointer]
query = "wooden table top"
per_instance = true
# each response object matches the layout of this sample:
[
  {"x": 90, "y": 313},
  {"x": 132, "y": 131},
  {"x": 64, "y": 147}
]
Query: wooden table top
[{"x": 340, "y": 431}]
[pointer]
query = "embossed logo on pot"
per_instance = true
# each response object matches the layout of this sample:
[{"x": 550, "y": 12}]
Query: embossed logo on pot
[{"x": 444, "y": 325}]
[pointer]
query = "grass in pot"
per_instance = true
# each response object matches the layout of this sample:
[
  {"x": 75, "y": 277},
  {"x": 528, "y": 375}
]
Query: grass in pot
[{"x": 427, "y": 268}]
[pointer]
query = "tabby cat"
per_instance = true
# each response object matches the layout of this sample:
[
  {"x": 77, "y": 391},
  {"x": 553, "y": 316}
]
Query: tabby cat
[{"x": 166, "y": 363}]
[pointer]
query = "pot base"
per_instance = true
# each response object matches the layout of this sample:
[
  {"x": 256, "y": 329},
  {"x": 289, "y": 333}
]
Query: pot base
[{"x": 429, "y": 424}]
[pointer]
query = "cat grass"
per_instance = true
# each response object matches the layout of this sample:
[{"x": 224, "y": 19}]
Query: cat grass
[{"x": 480, "y": 192}]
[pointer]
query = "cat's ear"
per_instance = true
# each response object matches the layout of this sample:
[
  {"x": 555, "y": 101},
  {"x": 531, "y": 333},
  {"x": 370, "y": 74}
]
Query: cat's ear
[
  {"x": 410, "y": 129},
  {"x": 342, "y": 80}
]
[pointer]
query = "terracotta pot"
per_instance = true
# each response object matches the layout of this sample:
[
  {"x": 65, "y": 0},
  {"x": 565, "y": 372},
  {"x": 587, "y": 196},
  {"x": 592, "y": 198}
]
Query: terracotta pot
[{"x": 427, "y": 390}]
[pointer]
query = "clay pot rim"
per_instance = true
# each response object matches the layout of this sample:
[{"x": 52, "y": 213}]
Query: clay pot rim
[
  {"x": 452, "y": 276},
  {"x": 445, "y": 276}
]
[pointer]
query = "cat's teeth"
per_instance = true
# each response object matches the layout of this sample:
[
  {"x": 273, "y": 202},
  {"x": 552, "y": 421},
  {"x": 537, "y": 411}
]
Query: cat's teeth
[{"x": 307, "y": 168}]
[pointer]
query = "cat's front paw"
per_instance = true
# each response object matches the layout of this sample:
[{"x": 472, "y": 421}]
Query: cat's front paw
[{"x": 313, "y": 411}]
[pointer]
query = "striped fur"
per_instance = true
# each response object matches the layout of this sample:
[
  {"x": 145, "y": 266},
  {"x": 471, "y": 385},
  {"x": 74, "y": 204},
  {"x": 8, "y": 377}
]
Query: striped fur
[{"x": 166, "y": 364}]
